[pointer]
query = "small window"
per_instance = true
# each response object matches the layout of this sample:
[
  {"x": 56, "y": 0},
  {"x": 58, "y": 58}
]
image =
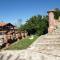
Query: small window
[{"x": 1, "y": 33}]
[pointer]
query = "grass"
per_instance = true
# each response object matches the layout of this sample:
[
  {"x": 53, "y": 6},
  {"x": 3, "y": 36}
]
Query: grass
[{"x": 22, "y": 44}]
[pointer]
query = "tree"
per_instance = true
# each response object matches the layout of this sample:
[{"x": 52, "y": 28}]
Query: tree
[
  {"x": 56, "y": 13},
  {"x": 36, "y": 25}
]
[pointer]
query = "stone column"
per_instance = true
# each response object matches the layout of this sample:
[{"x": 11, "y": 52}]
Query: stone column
[{"x": 52, "y": 21}]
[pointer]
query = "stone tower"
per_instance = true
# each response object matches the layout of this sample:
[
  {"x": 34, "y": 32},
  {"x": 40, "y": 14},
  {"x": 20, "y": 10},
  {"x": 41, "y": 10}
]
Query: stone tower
[{"x": 52, "y": 21}]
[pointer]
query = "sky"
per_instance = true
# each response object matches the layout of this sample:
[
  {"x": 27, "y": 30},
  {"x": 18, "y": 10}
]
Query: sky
[{"x": 13, "y": 10}]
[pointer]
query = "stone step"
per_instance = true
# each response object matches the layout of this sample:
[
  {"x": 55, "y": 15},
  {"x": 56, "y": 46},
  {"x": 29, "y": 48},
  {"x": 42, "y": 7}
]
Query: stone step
[
  {"x": 8, "y": 56},
  {"x": 46, "y": 48},
  {"x": 50, "y": 46},
  {"x": 52, "y": 36},
  {"x": 49, "y": 41},
  {"x": 34, "y": 55},
  {"x": 54, "y": 33},
  {"x": 13, "y": 55}
]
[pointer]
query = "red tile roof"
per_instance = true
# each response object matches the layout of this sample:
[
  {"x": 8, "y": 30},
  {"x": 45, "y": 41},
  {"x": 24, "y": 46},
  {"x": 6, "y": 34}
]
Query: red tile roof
[{"x": 2, "y": 23}]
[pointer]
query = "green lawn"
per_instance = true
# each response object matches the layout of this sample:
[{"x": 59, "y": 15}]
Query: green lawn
[{"x": 22, "y": 44}]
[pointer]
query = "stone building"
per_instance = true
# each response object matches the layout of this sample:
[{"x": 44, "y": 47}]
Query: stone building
[
  {"x": 52, "y": 21},
  {"x": 9, "y": 33},
  {"x": 6, "y": 28},
  {"x": 6, "y": 32}
]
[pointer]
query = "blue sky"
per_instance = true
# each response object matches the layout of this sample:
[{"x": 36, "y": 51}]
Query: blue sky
[{"x": 12, "y": 10}]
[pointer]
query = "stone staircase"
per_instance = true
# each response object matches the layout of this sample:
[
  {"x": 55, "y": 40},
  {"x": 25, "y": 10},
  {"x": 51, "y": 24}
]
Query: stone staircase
[
  {"x": 46, "y": 47},
  {"x": 49, "y": 43}
]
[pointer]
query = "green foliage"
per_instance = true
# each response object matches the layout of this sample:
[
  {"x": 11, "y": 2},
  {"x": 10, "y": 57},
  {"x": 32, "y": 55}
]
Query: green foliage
[
  {"x": 56, "y": 13},
  {"x": 36, "y": 25},
  {"x": 22, "y": 44},
  {"x": 43, "y": 26}
]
